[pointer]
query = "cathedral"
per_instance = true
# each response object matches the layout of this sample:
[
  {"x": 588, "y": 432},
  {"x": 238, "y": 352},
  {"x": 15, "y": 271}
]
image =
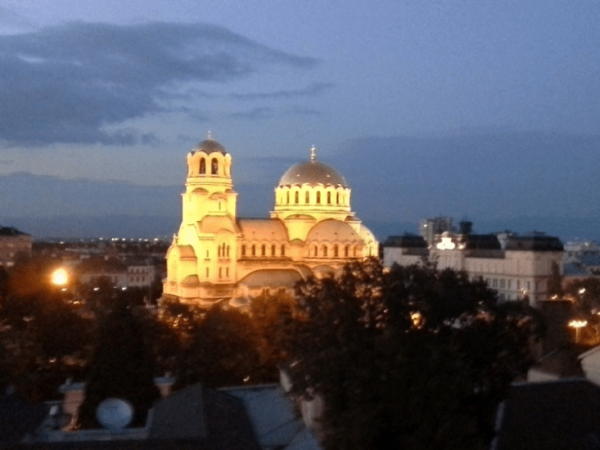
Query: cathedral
[{"x": 217, "y": 257}]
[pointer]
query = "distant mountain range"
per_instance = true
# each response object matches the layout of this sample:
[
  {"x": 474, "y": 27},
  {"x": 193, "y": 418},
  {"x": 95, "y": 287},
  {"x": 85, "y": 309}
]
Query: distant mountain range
[{"x": 127, "y": 226}]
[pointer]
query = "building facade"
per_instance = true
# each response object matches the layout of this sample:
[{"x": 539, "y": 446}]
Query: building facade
[
  {"x": 515, "y": 266},
  {"x": 218, "y": 257},
  {"x": 14, "y": 244}
]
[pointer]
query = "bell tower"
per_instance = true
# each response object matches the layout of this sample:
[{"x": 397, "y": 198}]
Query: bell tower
[
  {"x": 201, "y": 260},
  {"x": 209, "y": 188}
]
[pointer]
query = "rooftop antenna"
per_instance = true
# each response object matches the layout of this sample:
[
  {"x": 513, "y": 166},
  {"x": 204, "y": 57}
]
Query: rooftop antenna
[{"x": 313, "y": 155}]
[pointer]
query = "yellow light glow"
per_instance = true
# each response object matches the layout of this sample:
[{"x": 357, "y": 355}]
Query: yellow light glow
[
  {"x": 577, "y": 323},
  {"x": 416, "y": 319},
  {"x": 60, "y": 277}
]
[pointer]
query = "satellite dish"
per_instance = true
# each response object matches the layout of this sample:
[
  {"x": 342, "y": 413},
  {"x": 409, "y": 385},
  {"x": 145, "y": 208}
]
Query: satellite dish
[{"x": 114, "y": 413}]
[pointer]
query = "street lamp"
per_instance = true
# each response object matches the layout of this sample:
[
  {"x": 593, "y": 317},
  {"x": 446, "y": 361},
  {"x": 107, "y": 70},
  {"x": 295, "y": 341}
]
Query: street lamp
[
  {"x": 60, "y": 277},
  {"x": 577, "y": 324}
]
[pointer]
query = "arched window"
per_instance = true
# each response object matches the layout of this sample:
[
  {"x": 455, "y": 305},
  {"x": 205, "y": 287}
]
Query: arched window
[
  {"x": 335, "y": 251},
  {"x": 202, "y": 166},
  {"x": 282, "y": 250},
  {"x": 315, "y": 251},
  {"x": 307, "y": 198},
  {"x": 214, "y": 166},
  {"x": 219, "y": 251},
  {"x": 228, "y": 251},
  {"x": 253, "y": 250},
  {"x": 324, "y": 250},
  {"x": 263, "y": 250},
  {"x": 288, "y": 197},
  {"x": 337, "y": 198},
  {"x": 273, "y": 250},
  {"x": 297, "y": 197},
  {"x": 347, "y": 251},
  {"x": 329, "y": 198},
  {"x": 243, "y": 250},
  {"x": 318, "y": 198}
]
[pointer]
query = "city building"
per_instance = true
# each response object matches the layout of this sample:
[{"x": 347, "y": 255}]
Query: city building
[
  {"x": 121, "y": 272},
  {"x": 14, "y": 244},
  {"x": 515, "y": 266},
  {"x": 217, "y": 256}
]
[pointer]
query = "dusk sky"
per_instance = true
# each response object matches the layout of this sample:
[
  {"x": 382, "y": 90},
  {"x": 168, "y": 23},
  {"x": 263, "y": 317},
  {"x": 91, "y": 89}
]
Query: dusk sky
[{"x": 478, "y": 109}]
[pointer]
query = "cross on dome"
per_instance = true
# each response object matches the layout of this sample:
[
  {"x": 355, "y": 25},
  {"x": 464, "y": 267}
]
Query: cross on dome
[{"x": 313, "y": 155}]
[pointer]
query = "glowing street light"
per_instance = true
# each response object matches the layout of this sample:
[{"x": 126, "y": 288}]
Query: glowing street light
[
  {"x": 577, "y": 324},
  {"x": 60, "y": 277}
]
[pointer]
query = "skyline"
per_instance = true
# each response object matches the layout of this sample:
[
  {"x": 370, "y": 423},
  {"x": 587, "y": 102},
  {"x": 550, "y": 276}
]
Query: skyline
[{"x": 466, "y": 110}]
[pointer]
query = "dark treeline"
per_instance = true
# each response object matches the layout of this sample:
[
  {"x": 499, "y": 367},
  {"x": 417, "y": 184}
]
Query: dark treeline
[{"x": 412, "y": 356}]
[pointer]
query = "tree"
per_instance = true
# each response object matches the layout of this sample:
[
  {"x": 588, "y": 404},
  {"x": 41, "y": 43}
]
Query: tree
[
  {"x": 122, "y": 367},
  {"x": 220, "y": 350},
  {"x": 410, "y": 358}
]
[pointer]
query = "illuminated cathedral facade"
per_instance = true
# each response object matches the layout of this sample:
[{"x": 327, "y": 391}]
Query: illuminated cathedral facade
[{"x": 217, "y": 257}]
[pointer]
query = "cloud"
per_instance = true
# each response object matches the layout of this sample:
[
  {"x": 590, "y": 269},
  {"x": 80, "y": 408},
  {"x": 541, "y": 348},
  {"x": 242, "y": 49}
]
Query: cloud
[
  {"x": 66, "y": 83},
  {"x": 313, "y": 89},
  {"x": 266, "y": 112}
]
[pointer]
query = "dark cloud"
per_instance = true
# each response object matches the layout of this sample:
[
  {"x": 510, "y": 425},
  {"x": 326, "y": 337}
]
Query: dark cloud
[
  {"x": 313, "y": 89},
  {"x": 266, "y": 112},
  {"x": 483, "y": 176},
  {"x": 261, "y": 112},
  {"x": 63, "y": 84}
]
